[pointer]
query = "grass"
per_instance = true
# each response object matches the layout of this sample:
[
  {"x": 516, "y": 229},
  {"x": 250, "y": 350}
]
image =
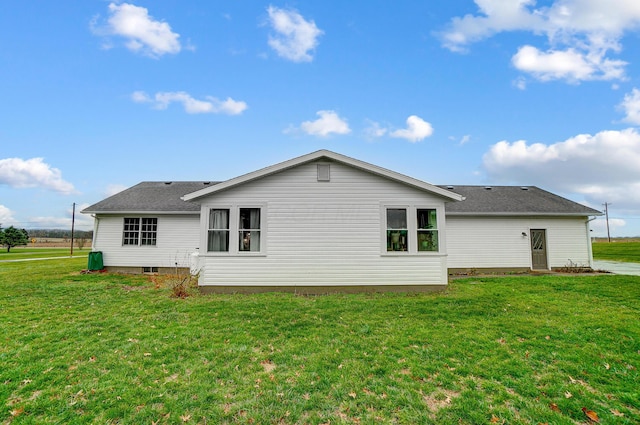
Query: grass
[
  {"x": 112, "y": 349},
  {"x": 617, "y": 251},
  {"x": 25, "y": 253}
]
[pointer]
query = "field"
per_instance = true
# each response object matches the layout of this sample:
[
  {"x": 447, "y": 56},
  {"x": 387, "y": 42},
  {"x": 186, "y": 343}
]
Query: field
[
  {"x": 617, "y": 250},
  {"x": 111, "y": 349}
]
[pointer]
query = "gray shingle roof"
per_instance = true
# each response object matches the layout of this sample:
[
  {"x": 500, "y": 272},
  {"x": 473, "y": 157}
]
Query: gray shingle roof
[
  {"x": 164, "y": 197},
  {"x": 156, "y": 197},
  {"x": 513, "y": 200}
]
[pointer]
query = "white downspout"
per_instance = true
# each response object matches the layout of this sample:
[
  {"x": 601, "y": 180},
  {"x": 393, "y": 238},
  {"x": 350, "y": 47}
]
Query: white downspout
[
  {"x": 590, "y": 248},
  {"x": 96, "y": 225}
]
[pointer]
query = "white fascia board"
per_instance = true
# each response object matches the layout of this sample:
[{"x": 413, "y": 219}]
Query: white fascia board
[
  {"x": 141, "y": 212},
  {"x": 519, "y": 214},
  {"x": 320, "y": 155}
]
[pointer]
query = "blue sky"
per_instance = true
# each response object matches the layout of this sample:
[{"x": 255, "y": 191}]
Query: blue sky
[{"x": 100, "y": 95}]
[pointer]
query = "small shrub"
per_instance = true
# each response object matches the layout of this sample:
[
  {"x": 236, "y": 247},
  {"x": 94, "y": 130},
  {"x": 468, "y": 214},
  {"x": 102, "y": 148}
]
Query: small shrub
[
  {"x": 180, "y": 284},
  {"x": 572, "y": 267}
]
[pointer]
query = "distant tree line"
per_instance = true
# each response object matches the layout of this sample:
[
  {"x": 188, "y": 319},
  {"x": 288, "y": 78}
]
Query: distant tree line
[{"x": 60, "y": 233}]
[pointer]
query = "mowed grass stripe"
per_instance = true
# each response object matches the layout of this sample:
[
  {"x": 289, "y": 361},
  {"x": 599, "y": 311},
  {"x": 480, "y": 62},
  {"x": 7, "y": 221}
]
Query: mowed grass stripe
[{"x": 106, "y": 348}]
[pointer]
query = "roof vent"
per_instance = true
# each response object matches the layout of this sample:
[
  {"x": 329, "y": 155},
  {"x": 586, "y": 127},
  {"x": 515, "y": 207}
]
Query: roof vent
[
  {"x": 168, "y": 182},
  {"x": 524, "y": 188},
  {"x": 324, "y": 172},
  {"x": 488, "y": 188},
  {"x": 449, "y": 187},
  {"x": 206, "y": 183}
]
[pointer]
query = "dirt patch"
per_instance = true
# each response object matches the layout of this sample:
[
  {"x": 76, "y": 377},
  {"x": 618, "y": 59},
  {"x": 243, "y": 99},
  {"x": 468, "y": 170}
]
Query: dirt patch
[{"x": 439, "y": 399}]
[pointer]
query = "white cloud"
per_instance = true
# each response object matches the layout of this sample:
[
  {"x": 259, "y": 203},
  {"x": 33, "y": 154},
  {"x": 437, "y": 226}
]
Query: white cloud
[
  {"x": 6, "y": 217},
  {"x": 112, "y": 189},
  {"x": 417, "y": 130},
  {"x": 570, "y": 65},
  {"x": 295, "y": 38},
  {"x": 328, "y": 123},
  {"x": 374, "y": 130},
  {"x": 211, "y": 105},
  {"x": 631, "y": 107},
  {"x": 143, "y": 33},
  {"x": 580, "y": 34},
  {"x": 601, "y": 167},
  {"x": 465, "y": 139},
  {"x": 34, "y": 172},
  {"x": 599, "y": 226},
  {"x": 82, "y": 221}
]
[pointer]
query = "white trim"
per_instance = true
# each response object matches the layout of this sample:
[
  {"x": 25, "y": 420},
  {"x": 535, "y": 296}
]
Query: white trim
[
  {"x": 234, "y": 230},
  {"x": 412, "y": 230},
  {"x": 332, "y": 156}
]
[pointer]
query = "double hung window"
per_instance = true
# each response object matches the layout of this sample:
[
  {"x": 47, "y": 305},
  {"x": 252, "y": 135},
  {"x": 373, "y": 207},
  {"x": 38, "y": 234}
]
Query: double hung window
[
  {"x": 249, "y": 229},
  {"x": 218, "y": 238},
  {"x": 247, "y": 236},
  {"x": 427, "y": 223},
  {"x": 397, "y": 230},
  {"x": 140, "y": 231},
  {"x": 411, "y": 229}
]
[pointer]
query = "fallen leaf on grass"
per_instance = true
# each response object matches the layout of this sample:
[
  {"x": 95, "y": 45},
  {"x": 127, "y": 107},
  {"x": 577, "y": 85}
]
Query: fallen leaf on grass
[
  {"x": 616, "y": 412},
  {"x": 17, "y": 412},
  {"x": 494, "y": 419},
  {"x": 591, "y": 415},
  {"x": 567, "y": 394},
  {"x": 368, "y": 392},
  {"x": 185, "y": 418},
  {"x": 353, "y": 395},
  {"x": 554, "y": 407},
  {"x": 147, "y": 354}
]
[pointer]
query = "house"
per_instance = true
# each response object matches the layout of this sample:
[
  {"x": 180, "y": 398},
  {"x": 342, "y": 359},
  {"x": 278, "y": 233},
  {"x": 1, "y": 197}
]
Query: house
[{"x": 326, "y": 222}]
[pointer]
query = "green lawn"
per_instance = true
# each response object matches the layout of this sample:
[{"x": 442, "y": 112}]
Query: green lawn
[
  {"x": 617, "y": 251},
  {"x": 22, "y": 252},
  {"x": 110, "y": 349}
]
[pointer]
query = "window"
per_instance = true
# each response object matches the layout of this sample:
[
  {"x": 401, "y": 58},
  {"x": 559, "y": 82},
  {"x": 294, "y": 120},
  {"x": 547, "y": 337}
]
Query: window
[
  {"x": 149, "y": 270},
  {"x": 131, "y": 231},
  {"x": 218, "y": 238},
  {"x": 249, "y": 229},
  {"x": 140, "y": 231},
  {"x": 410, "y": 229},
  {"x": 148, "y": 231},
  {"x": 236, "y": 230},
  {"x": 427, "y": 225},
  {"x": 397, "y": 231}
]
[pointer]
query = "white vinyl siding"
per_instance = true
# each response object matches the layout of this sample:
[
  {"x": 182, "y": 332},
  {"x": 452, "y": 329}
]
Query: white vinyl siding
[
  {"x": 176, "y": 239},
  {"x": 322, "y": 233},
  {"x": 498, "y": 242}
]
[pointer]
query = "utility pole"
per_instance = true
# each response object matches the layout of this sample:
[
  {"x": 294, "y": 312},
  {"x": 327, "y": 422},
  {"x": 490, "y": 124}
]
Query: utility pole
[
  {"x": 606, "y": 214},
  {"x": 73, "y": 222}
]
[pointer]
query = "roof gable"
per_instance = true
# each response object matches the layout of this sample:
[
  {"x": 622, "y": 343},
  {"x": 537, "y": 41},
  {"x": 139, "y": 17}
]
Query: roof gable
[{"x": 324, "y": 155}]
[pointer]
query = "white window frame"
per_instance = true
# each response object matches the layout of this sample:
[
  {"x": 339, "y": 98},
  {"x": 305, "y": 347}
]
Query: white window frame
[
  {"x": 234, "y": 230},
  {"x": 412, "y": 229},
  {"x": 140, "y": 232}
]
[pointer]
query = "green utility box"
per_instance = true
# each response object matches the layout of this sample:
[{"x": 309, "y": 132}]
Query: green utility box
[{"x": 95, "y": 261}]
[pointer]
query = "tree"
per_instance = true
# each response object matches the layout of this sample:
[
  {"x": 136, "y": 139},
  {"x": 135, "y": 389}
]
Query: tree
[{"x": 11, "y": 237}]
